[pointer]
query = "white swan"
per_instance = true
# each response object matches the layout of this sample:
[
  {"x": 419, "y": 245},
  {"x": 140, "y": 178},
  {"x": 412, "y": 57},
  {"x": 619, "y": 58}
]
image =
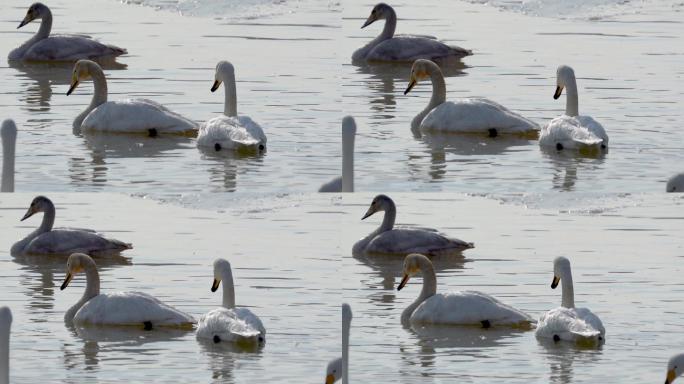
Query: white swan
[
  {"x": 454, "y": 308},
  {"x": 571, "y": 130},
  {"x": 43, "y": 47},
  {"x": 345, "y": 183},
  {"x": 125, "y": 116},
  {"x": 9, "y": 139},
  {"x": 5, "y": 325},
  {"x": 120, "y": 308},
  {"x": 402, "y": 241},
  {"x": 472, "y": 115},
  {"x": 675, "y": 368},
  {"x": 567, "y": 322},
  {"x": 228, "y": 323},
  {"x": 388, "y": 47},
  {"x": 62, "y": 241},
  {"x": 675, "y": 184},
  {"x": 339, "y": 368},
  {"x": 230, "y": 131}
]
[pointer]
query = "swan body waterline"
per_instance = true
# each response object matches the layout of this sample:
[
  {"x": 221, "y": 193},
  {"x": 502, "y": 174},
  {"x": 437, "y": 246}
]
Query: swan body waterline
[
  {"x": 62, "y": 241},
  {"x": 228, "y": 323},
  {"x": 567, "y": 323},
  {"x": 572, "y": 130},
  {"x": 124, "y": 116},
  {"x": 5, "y": 326},
  {"x": 8, "y": 132},
  {"x": 675, "y": 368},
  {"x": 402, "y": 241},
  {"x": 345, "y": 183},
  {"x": 230, "y": 131},
  {"x": 674, "y": 184},
  {"x": 454, "y": 308},
  {"x": 43, "y": 47},
  {"x": 120, "y": 308},
  {"x": 402, "y": 48},
  {"x": 470, "y": 115}
]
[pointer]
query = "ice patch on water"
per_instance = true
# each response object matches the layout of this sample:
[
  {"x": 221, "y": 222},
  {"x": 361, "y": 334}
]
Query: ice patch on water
[
  {"x": 579, "y": 9},
  {"x": 231, "y": 9},
  {"x": 571, "y": 203}
]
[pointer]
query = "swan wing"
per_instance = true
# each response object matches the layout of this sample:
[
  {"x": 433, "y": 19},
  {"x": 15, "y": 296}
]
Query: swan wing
[
  {"x": 475, "y": 115},
  {"x": 334, "y": 185},
  {"x": 405, "y": 241},
  {"x": 468, "y": 308},
  {"x": 70, "y": 48},
  {"x": 570, "y": 324},
  {"x": 231, "y": 132},
  {"x": 232, "y": 325},
  {"x": 130, "y": 308},
  {"x": 572, "y": 132},
  {"x": 136, "y": 115},
  {"x": 66, "y": 242},
  {"x": 411, "y": 48}
]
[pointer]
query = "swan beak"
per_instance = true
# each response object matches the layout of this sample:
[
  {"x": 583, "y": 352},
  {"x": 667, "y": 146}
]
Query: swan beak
[
  {"x": 410, "y": 86},
  {"x": 558, "y": 92},
  {"x": 26, "y": 20},
  {"x": 74, "y": 84},
  {"x": 555, "y": 281},
  {"x": 403, "y": 282},
  {"x": 370, "y": 20},
  {"x": 670, "y": 376},
  {"x": 215, "y": 285},
  {"x": 369, "y": 212},
  {"x": 215, "y": 86},
  {"x": 28, "y": 214},
  {"x": 330, "y": 379},
  {"x": 67, "y": 280}
]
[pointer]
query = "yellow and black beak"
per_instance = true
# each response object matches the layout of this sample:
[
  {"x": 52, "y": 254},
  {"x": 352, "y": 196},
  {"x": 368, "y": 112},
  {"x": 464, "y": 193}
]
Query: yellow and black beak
[
  {"x": 215, "y": 285},
  {"x": 369, "y": 213},
  {"x": 28, "y": 214},
  {"x": 558, "y": 92},
  {"x": 412, "y": 84},
  {"x": 555, "y": 281},
  {"x": 74, "y": 84},
  {"x": 330, "y": 379},
  {"x": 671, "y": 375},
  {"x": 370, "y": 20},
  {"x": 403, "y": 282},
  {"x": 67, "y": 280},
  {"x": 215, "y": 86},
  {"x": 29, "y": 18}
]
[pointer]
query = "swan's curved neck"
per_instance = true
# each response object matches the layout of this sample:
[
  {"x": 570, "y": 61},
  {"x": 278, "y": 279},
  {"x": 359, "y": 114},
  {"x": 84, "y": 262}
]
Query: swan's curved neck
[
  {"x": 4, "y": 353},
  {"x": 568, "y": 289},
  {"x": 48, "y": 219},
  {"x": 438, "y": 94},
  {"x": 99, "y": 94},
  {"x": 92, "y": 288},
  {"x": 388, "y": 219},
  {"x": 390, "y": 26},
  {"x": 571, "y": 98},
  {"x": 230, "y": 102},
  {"x": 429, "y": 289},
  {"x": 45, "y": 25},
  {"x": 228, "y": 290},
  {"x": 8, "y": 153},
  {"x": 346, "y": 324},
  {"x": 347, "y": 161}
]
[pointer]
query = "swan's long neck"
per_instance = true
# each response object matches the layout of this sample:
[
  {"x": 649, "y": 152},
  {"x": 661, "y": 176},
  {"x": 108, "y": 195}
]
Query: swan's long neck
[
  {"x": 92, "y": 288},
  {"x": 228, "y": 290},
  {"x": 348, "y": 159},
  {"x": 388, "y": 219},
  {"x": 99, "y": 93},
  {"x": 438, "y": 94},
  {"x": 48, "y": 219},
  {"x": 8, "y": 153},
  {"x": 390, "y": 26},
  {"x": 346, "y": 325},
  {"x": 568, "y": 289},
  {"x": 43, "y": 33},
  {"x": 4, "y": 353},
  {"x": 429, "y": 289},
  {"x": 230, "y": 103},
  {"x": 571, "y": 98}
]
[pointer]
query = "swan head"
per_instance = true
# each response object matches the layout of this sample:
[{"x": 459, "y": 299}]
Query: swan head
[
  {"x": 39, "y": 204},
  {"x": 35, "y": 11},
  {"x": 81, "y": 72},
  {"x": 75, "y": 265},
  {"x": 420, "y": 70},
  {"x": 222, "y": 271},
  {"x": 379, "y": 12},
  {"x": 412, "y": 266},
  {"x": 564, "y": 76},
  {"x": 348, "y": 126},
  {"x": 333, "y": 372},
  {"x": 675, "y": 184},
  {"x": 675, "y": 368},
  {"x": 379, "y": 203},
  {"x": 224, "y": 72},
  {"x": 561, "y": 266},
  {"x": 9, "y": 130}
]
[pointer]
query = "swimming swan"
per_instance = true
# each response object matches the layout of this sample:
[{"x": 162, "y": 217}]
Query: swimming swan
[
  {"x": 571, "y": 130},
  {"x": 9, "y": 139},
  {"x": 454, "y": 308},
  {"x": 43, "y": 47},
  {"x": 471, "y": 115},
  {"x": 675, "y": 184},
  {"x": 345, "y": 183},
  {"x": 402, "y": 241},
  {"x": 228, "y": 323},
  {"x": 62, "y": 241},
  {"x": 388, "y": 47},
  {"x": 125, "y": 116},
  {"x": 5, "y": 325},
  {"x": 230, "y": 131},
  {"x": 675, "y": 368},
  {"x": 567, "y": 322},
  {"x": 339, "y": 368},
  {"x": 120, "y": 308}
]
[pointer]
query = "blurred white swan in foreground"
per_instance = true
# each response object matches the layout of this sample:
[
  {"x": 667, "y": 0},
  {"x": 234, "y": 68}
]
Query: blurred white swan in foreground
[
  {"x": 124, "y": 116},
  {"x": 402, "y": 241},
  {"x": 120, "y": 308},
  {"x": 345, "y": 183},
  {"x": 454, "y": 308},
  {"x": 43, "y": 47},
  {"x": 339, "y": 368},
  {"x": 571, "y": 130},
  {"x": 230, "y": 131},
  {"x": 675, "y": 368},
  {"x": 228, "y": 323},
  {"x": 471, "y": 115},
  {"x": 388, "y": 47},
  {"x": 567, "y": 322},
  {"x": 675, "y": 184},
  {"x": 5, "y": 326},
  {"x": 62, "y": 241},
  {"x": 9, "y": 139}
]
